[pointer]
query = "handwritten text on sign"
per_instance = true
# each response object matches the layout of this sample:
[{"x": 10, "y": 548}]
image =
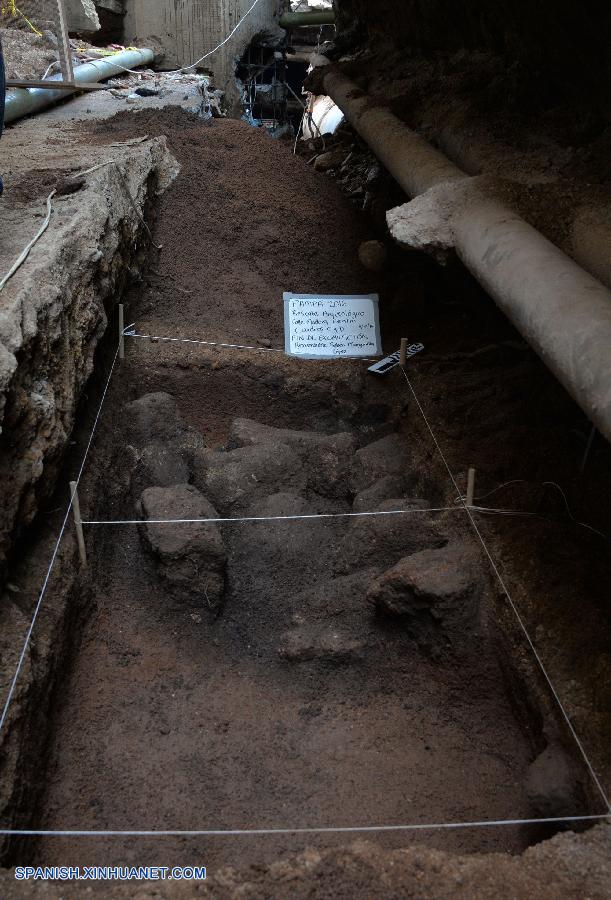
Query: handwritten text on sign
[{"x": 330, "y": 327}]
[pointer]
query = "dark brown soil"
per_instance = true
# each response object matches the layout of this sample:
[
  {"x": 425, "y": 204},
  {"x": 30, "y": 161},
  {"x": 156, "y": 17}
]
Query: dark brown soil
[
  {"x": 245, "y": 221},
  {"x": 176, "y": 719}
]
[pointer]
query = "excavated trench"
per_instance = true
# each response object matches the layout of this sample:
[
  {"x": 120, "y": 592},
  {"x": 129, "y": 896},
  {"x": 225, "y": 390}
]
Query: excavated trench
[{"x": 297, "y": 673}]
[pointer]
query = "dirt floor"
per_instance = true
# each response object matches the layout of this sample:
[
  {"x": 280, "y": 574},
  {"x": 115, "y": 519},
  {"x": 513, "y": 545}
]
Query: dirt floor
[{"x": 291, "y": 702}]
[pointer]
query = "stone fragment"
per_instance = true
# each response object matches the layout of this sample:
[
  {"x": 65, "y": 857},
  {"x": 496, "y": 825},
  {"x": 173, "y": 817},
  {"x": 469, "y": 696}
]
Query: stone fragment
[
  {"x": 384, "y": 488},
  {"x": 435, "y": 592},
  {"x": 163, "y": 465},
  {"x": 238, "y": 477},
  {"x": 326, "y": 457},
  {"x": 191, "y": 557},
  {"x": 387, "y": 456},
  {"x": 153, "y": 417},
  {"x": 315, "y": 643},
  {"x": 373, "y": 255},
  {"x": 165, "y": 447},
  {"x": 82, "y": 16},
  {"x": 382, "y": 540},
  {"x": 551, "y": 788},
  {"x": 332, "y": 159}
]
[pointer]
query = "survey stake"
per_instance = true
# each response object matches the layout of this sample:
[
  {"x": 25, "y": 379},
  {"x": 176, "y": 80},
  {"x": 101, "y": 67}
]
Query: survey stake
[{"x": 332, "y": 327}]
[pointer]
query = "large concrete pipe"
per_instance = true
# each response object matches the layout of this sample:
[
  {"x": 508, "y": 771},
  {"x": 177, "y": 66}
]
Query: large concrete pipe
[
  {"x": 25, "y": 101},
  {"x": 563, "y": 312}
]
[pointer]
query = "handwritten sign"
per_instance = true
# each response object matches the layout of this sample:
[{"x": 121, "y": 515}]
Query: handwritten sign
[{"x": 319, "y": 327}]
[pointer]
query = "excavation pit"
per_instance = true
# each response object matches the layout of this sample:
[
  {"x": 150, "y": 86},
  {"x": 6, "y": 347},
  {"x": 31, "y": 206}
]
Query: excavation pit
[{"x": 304, "y": 694}]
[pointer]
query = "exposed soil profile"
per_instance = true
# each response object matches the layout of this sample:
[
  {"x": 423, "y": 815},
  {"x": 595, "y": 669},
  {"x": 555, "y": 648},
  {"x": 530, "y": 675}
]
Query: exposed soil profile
[{"x": 263, "y": 675}]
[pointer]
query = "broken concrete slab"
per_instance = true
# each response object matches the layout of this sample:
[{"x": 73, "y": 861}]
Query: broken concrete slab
[
  {"x": 436, "y": 593},
  {"x": 191, "y": 556},
  {"x": 82, "y": 16}
]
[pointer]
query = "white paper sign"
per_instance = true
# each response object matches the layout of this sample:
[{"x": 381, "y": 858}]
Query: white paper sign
[{"x": 331, "y": 327}]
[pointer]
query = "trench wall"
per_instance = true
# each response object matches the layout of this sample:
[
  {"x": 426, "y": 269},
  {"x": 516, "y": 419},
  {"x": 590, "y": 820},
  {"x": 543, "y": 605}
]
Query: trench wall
[{"x": 564, "y": 43}]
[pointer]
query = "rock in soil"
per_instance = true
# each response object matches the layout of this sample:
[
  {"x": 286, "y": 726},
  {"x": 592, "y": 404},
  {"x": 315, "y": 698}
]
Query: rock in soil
[
  {"x": 550, "y": 785},
  {"x": 388, "y": 456},
  {"x": 383, "y": 489},
  {"x": 383, "y": 540},
  {"x": 311, "y": 642},
  {"x": 326, "y": 457},
  {"x": 330, "y": 160},
  {"x": 164, "y": 446},
  {"x": 239, "y": 477},
  {"x": 153, "y": 417},
  {"x": 191, "y": 557},
  {"x": 373, "y": 255},
  {"x": 436, "y": 593}
]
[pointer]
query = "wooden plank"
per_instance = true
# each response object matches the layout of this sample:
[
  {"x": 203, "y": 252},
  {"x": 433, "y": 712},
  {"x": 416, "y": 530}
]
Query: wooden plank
[
  {"x": 63, "y": 44},
  {"x": 58, "y": 85}
]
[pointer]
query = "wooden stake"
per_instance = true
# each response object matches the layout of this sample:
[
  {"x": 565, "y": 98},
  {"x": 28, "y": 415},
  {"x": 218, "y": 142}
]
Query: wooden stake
[
  {"x": 471, "y": 487},
  {"x": 64, "y": 50},
  {"x": 403, "y": 356},
  {"x": 76, "y": 512},
  {"x": 121, "y": 335}
]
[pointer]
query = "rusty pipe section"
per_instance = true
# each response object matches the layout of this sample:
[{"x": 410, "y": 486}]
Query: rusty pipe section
[{"x": 563, "y": 312}]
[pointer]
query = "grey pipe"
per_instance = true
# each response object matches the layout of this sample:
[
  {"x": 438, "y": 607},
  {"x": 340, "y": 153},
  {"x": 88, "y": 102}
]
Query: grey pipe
[
  {"x": 25, "y": 101},
  {"x": 563, "y": 312},
  {"x": 307, "y": 19}
]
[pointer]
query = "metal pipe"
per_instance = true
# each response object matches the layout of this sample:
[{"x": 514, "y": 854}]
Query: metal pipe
[
  {"x": 25, "y": 101},
  {"x": 307, "y": 19},
  {"x": 563, "y": 312},
  {"x": 408, "y": 157}
]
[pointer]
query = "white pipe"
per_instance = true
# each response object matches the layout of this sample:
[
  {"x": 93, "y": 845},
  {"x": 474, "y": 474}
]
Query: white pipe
[
  {"x": 25, "y": 101},
  {"x": 563, "y": 312}
]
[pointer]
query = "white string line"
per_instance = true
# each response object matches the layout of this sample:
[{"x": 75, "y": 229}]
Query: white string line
[
  {"x": 351, "y": 515},
  {"x": 544, "y": 484},
  {"x": 54, "y": 555},
  {"x": 26, "y": 251},
  {"x": 218, "y": 47},
  {"x": 510, "y": 599},
  {"x": 339, "y": 829},
  {"x": 155, "y": 337}
]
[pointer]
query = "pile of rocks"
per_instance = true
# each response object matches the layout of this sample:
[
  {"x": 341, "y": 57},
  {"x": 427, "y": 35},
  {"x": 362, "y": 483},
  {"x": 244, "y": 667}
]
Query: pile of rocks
[{"x": 402, "y": 566}]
